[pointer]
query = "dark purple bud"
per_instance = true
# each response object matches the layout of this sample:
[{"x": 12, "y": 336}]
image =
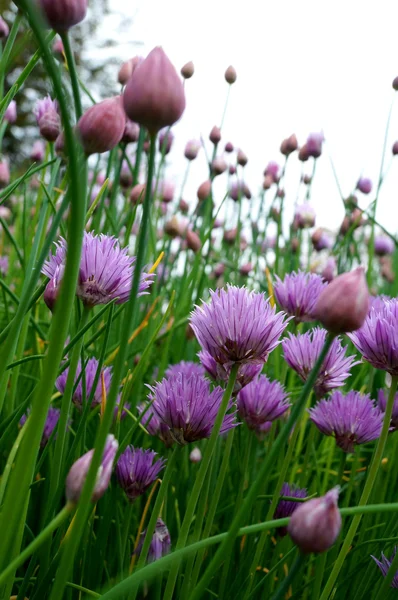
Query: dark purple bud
[
  {"x": 63, "y": 14},
  {"x": 131, "y": 132}
]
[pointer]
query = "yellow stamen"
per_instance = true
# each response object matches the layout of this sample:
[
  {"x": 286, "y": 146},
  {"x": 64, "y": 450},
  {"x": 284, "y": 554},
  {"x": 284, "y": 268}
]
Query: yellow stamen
[
  {"x": 270, "y": 287},
  {"x": 156, "y": 263}
]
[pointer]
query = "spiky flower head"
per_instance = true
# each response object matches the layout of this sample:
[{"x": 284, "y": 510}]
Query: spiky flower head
[
  {"x": 384, "y": 565},
  {"x": 301, "y": 353},
  {"x": 186, "y": 367},
  {"x": 237, "y": 326},
  {"x": 49, "y": 426},
  {"x": 246, "y": 372},
  {"x": 106, "y": 270},
  {"x": 154, "y": 425},
  {"x": 377, "y": 339},
  {"x": 285, "y": 508},
  {"x": 90, "y": 372},
  {"x": 298, "y": 294},
  {"x": 160, "y": 544},
  {"x": 187, "y": 406},
  {"x": 261, "y": 401},
  {"x": 352, "y": 419},
  {"x": 382, "y": 403},
  {"x": 78, "y": 472},
  {"x": 136, "y": 471}
]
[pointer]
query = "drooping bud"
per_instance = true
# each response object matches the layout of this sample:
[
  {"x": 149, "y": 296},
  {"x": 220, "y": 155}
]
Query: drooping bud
[
  {"x": 315, "y": 524},
  {"x": 137, "y": 194},
  {"x": 196, "y": 455},
  {"x": 344, "y": 304},
  {"x": 215, "y": 135},
  {"x": 4, "y": 29},
  {"x": 11, "y": 113},
  {"x": 188, "y": 70},
  {"x": 193, "y": 241},
  {"x": 131, "y": 132},
  {"x": 204, "y": 190},
  {"x": 241, "y": 158},
  {"x": 127, "y": 68},
  {"x": 230, "y": 75},
  {"x": 289, "y": 145},
  {"x": 63, "y": 14},
  {"x": 4, "y": 173},
  {"x": 154, "y": 95},
  {"x": 364, "y": 185},
  {"x": 78, "y": 472},
  {"x": 48, "y": 118},
  {"x": 101, "y": 128},
  {"x": 166, "y": 138},
  {"x": 191, "y": 149}
]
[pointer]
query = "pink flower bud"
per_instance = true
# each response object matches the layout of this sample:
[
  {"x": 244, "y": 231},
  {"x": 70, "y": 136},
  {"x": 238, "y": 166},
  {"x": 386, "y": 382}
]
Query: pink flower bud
[
  {"x": 102, "y": 126},
  {"x": 395, "y": 83},
  {"x": 229, "y": 147},
  {"x": 218, "y": 165},
  {"x": 191, "y": 149},
  {"x": 63, "y": 14},
  {"x": 48, "y": 118},
  {"x": 268, "y": 181},
  {"x": 219, "y": 270},
  {"x": 193, "y": 241},
  {"x": 272, "y": 170},
  {"x": 188, "y": 70},
  {"x": 230, "y": 75},
  {"x": 4, "y": 173},
  {"x": 215, "y": 135},
  {"x": 289, "y": 145},
  {"x": 38, "y": 151},
  {"x": 204, "y": 190},
  {"x": 241, "y": 158},
  {"x": 364, "y": 185},
  {"x": 344, "y": 304},
  {"x": 127, "y": 68},
  {"x": 52, "y": 289},
  {"x": 167, "y": 190},
  {"x": 395, "y": 148},
  {"x": 329, "y": 270},
  {"x": 314, "y": 144},
  {"x": 131, "y": 132},
  {"x": 183, "y": 206},
  {"x": 60, "y": 144},
  {"x": 230, "y": 235},
  {"x": 154, "y": 95},
  {"x": 232, "y": 169},
  {"x": 303, "y": 154},
  {"x": 246, "y": 269},
  {"x": 166, "y": 138},
  {"x": 315, "y": 524},
  {"x": 173, "y": 227},
  {"x": 78, "y": 472},
  {"x": 126, "y": 177},
  {"x": 11, "y": 113},
  {"x": 4, "y": 29},
  {"x": 137, "y": 194},
  {"x": 195, "y": 456},
  {"x": 58, "y": 47}
]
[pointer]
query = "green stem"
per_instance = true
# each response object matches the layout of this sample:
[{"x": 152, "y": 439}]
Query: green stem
[
  {"x": 283, "y": 588},
  {"x": 182, "y": 538},
  {"x": 370, "y": 481},
  {"x": 265, "y": 469},
  {"x": 70, "y": 60},
  {"x": 37, "y": 542}
]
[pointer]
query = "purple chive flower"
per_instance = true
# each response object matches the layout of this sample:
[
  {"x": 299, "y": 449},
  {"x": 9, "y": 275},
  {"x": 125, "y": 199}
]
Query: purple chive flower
[
  {"x": 11, "y": 112},
  {"x": 186, "y": 367},
  {"x": 364, "y": 185},
  {"x": 49, "y": 426},
  {"x": 301, "y": 352},
  {"x": 305, "y": 216},
  {"x": 3, "y": 265},
  {"x": 352, "y": 419},
  {"x": 383, "y": 245},
  {"x": 188, "y": 407},
  {"x": 238, "y": 326},
  {"x": 298, "y": 294},
  {"x": 160, "y": 544},
  {"x": 154, "y": 425},
  {"x": 262, "y": 401},
  {"x": 285, "y": 508},
  {"x": 377, "y": 339},
  {"x": 377, "y": 302},
  {"x": 89, "y": 374},
  {"x": 382, "y": 403},
  {"x": 246, "y": 372},
  {"x": 136, "y": 471},
  {"x": 384, "y": 565},
  {"x": 48, "y": 119},
  {"x": 78, "y": 472},
  {"x": 106, "y": 270}
]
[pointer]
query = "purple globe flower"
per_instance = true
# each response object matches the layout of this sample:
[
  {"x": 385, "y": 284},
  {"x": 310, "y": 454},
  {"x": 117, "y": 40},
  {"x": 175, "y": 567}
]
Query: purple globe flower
[
  {"x": 185, "y": 367},
  {"x": 89, "y": 374},
  {"x": 246, "y": 372},
  {"x": 384, "y": 565},
  {"x": 377, "y": 339},
  {"x": 136, "y": 471},
  {"x": 188, "y": 407},
  {"x": 382, "y": 403},
  {"x": 262, "y": 401},
  {"x": 352, "y": 419},
  {"x": 301, "y": 353},
  {"x": 237, "y": 326},
  {"x": 49, "y": 426},
  {"x": 285, "y": 508},
  {"x": 298, "y": 294},
  {"x": 160, "y": 544},
  {"x": 383, "y": 245},
  {"x": 106, "y": 270},
  {"x": 154, "y": 425},
  {"x": 378, "y": 302}
]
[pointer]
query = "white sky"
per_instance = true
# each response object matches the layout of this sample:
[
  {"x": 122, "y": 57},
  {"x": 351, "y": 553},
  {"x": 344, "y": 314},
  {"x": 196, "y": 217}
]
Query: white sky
[{"x": 303, "y": 66}]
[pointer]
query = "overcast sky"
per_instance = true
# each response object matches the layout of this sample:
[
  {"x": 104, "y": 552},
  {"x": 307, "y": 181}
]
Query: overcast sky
[{"x": 303, "y": 66}]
